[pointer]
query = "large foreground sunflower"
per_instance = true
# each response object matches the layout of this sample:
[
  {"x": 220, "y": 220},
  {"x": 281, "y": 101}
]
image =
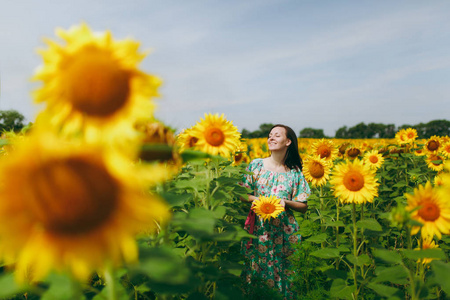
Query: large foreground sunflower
[
  {"x": 216, "y": 135},
  {"x": 91, "y": 80},
  {"x": 433, "y": 211},
  {"x": 267, "y": 207},
  {"x": 354, "y": 182},
  {"x": 71, "y": 208},
  {"x": 316, "y": 170}
]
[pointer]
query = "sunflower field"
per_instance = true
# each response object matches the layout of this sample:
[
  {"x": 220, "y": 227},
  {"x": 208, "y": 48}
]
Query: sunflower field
[{"x": 100, "y": 200}]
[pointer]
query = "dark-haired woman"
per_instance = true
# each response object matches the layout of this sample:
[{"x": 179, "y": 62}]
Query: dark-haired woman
[{"x": 280, "y": 174}]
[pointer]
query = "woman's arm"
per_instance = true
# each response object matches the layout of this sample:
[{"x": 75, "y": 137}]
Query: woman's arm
[
  {"x": 249, "y": 199},
  {"x": 296, "y": 205}
]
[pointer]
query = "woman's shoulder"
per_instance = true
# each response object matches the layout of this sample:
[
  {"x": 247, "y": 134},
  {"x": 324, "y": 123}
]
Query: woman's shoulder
[{"x": 257, "y": 162}]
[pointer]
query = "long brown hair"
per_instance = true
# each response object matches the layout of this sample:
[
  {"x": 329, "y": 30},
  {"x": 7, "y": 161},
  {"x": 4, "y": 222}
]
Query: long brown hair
[{"x": 292, "y": 159}]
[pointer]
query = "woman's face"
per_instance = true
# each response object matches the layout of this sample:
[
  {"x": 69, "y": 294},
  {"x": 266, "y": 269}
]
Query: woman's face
[{"x": 278, "y": 140}]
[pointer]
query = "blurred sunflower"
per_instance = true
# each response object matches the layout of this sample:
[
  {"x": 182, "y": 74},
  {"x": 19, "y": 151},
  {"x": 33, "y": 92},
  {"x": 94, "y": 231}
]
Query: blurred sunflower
[
  {"x": 419, "y": 152},
  {"x": 353, "y": 152},
  {"x": 427, "y": 243},
  {"x": 354, "y": 182},
  {"x": 343, "y": 148},
  {"x": 216, "y": 135},
  {"x": 316, "y": 170},
  {"x": 185, "y": 139},
  {"x": 410, "y": 135},
  {"x": 433, "y": 212},
  {"x": 445, "y": 149},
  {"x": 241, "y": 156},
  {"x": 325, "y": 148},
  {"x": 433, "y": 162},
  {"x": 267, "y": 207},
  {"x": 401, "y": 137},
  {"x": 78, "y": 209},
  {"x": 437, "y": 181},
  {"x": 433, "y": 144},
  {"x": 373, "y": 159},
  {"x": 91, "y": 81}
]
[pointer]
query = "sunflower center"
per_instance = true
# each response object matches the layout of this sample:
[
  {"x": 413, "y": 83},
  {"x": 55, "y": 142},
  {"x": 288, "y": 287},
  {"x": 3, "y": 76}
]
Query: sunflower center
[
  {"x": 353, "y": 152},
  {"x": 267, "y": 208},
  {"x": 192, "y": 141},
  {"x": 411, "y": 135},
  {"x": 354, "y": 181},
  {"x": 96, "y": 85},
  {"x": 429, "y": 211},
  {"x": 72, "y": 196},
  {"x": 373, "y": 159},
  {"x": 214, "y": 136},
  {"x": 238, "y": 157},
  {"x": 316, "y": 170},
  {"x": 324, "y": 151},
  {"x": 433, "y": 145}
]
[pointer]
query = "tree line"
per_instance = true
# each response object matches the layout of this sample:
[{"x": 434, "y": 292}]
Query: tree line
[{"x": 362, "y": 131}]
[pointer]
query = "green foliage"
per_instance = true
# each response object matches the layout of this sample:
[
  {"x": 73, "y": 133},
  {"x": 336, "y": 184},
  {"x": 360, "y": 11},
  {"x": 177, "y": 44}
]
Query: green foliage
[
  {"x": 11, "y": 120},
  {"x": 311, "y": 133},
  {"x": 371, "y": 257}
]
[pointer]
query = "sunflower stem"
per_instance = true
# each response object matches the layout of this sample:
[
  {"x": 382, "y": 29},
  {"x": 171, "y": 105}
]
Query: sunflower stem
[
  {"x": 110, "y": 283},
  {"x": 355, "y": 249},
  {"x": 321, "y": 215}
]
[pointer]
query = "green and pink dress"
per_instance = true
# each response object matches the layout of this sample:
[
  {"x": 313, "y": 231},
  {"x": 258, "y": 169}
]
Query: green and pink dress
[{"x": 266, "y": 256}]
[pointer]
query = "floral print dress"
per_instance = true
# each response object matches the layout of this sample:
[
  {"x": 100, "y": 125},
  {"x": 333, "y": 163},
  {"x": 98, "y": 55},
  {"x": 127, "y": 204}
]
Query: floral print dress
[{"x": 266, "y": 256}]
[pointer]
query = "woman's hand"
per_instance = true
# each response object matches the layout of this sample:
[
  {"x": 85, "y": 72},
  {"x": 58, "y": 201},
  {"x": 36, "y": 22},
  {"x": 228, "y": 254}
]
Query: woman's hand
[
  {"x": 283, "y": 203},
  {"x": 296, "y": 205}
]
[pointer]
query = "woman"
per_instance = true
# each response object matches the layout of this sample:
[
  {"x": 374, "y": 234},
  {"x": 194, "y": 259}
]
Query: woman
[{"x": 280, "y": 175}]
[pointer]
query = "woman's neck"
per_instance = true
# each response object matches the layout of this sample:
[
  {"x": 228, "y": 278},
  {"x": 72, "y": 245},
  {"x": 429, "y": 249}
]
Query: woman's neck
[{"x": 277, "y": 159}]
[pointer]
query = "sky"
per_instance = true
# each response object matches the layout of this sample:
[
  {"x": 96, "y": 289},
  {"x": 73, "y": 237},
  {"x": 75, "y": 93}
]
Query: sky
[{"x": 320, "y": 64}]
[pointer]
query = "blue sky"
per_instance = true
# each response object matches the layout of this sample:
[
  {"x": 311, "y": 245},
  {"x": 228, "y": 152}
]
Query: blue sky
[{"x": 320, "y": 64}]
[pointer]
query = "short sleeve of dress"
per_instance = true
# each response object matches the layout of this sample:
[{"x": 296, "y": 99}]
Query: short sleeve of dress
[
  {"x": 301, "y": 190},
  {"x": 248, "y": 179}
]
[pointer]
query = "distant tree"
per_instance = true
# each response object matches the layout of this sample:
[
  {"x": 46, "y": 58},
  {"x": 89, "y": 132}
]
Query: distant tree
[
  {"x": 341, "y": 133},
  {"x": 265, "y": 129},
  {"x": 359, "y": 131},
  {"x": 312, "y": 133},
  {"x": 437, "y": 127},
  {"x": 245, "y": 134},
  {"x": 389, "y": 131},
  {"x": 11, "y": 120}
]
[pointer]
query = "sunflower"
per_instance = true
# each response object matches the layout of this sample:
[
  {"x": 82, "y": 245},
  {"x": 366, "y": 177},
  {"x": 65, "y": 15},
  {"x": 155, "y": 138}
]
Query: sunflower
[
  {"x": 241, "y": 156},
  {"x": 373, "y": 159},
  {"x": 419, "y": 152},
  {"x": 78, "y": 209},
  {"x": 432, "y": 162},
  {"x": 216, "y": 135},
  {"x": 325, "y": 148},
  {"x": 185, "y": 139},
  {"x": 427, "y": 243},
  {"x": 433, "y": 144},
  {"x": 437, "y": 181},
  {"x": 401, "y": 137},
  {"x": 267, "y": 207},
  {"x": 91, "y": 81},
  {"x": 433, "y": 212},
  {"x": 354, "y": 182},
  {"x": 410, "y": 135},
  {"x": 445, "y": 149},
  {"x": 316, "y": 170},
  {"x": 353, "y": 152}
]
